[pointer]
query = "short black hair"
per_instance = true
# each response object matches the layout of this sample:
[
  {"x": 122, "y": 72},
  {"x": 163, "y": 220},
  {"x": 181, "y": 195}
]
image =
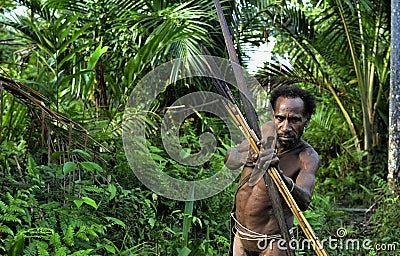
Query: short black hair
[{"x": 290, "y": 91}]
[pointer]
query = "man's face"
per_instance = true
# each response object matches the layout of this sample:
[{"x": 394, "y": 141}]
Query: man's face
[{"x": 289, "y": 121}]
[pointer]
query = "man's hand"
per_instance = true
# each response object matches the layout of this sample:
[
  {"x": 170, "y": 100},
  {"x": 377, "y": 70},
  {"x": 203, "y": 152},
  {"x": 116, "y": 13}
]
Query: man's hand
[
  {"x": 267, "y": 155},
  {"x": 242, "y": 154},
  {"x": 252, "y": 157},
  {"x": 302, "y": 196}
]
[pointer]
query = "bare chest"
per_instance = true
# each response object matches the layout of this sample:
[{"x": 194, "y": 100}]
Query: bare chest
[{"x": 253, "y": 204}]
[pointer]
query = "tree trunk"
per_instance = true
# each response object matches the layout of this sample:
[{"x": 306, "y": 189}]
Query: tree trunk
[
  {"x": 101, "y": 89},
  {"x": 394, "y": 105}
]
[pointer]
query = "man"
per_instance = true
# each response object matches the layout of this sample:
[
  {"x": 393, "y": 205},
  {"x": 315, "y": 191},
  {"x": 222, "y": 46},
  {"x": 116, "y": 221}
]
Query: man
[{"x": 255, "y": 229}]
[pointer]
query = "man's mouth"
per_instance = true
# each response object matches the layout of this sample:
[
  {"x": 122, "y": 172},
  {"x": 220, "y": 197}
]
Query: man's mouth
[{"x": 285, "y": 137}]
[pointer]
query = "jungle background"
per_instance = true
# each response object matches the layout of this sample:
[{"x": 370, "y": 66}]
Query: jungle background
[{"x": 67, "y": 68}]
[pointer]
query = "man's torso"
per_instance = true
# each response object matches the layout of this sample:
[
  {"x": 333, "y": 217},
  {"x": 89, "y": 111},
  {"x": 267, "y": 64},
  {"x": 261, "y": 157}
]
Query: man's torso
[{"x": 253, "y": 208}]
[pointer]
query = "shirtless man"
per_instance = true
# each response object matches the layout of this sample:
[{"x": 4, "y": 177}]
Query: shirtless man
[{"x": 256, "y": 231}]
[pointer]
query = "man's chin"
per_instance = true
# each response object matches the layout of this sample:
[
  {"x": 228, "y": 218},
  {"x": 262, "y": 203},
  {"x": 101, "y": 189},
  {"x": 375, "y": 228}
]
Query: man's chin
[{"x": 287, "y": 143}]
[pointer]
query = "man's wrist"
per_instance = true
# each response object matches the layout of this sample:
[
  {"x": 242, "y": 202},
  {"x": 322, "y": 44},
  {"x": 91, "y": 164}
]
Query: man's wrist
[
  {"x": 291, "y": 184},
  {"x": 242, "y": 157},
  {"x": 250, "y": 163}
]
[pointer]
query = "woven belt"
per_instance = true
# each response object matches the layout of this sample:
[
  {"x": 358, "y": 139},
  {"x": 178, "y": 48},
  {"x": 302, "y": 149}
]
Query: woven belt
[{"x": 250, "y": 235}]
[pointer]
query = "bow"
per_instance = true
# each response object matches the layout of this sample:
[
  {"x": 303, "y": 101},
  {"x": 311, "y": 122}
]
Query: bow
[
  {"x": 252, "y": 121},
  {"x": 251, "y": 130}
]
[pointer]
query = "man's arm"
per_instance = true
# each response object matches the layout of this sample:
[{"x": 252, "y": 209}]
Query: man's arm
[
  {"x": 302, "y": 188},
  {"x": 238, "y": 156},
  {"x": 243, "y": 154}
]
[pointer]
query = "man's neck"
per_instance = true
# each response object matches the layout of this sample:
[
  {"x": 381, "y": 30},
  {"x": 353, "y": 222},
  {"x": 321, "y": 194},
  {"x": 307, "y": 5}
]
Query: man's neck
[{"x": 282, "y": 150}]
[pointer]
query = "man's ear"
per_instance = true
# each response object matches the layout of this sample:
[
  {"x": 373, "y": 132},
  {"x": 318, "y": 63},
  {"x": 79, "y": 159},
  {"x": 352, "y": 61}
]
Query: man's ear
[{"x": 307, "y": 121}]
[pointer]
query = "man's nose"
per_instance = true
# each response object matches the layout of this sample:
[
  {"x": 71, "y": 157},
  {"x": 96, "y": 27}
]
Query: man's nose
[{"x": 286, "y": 126}]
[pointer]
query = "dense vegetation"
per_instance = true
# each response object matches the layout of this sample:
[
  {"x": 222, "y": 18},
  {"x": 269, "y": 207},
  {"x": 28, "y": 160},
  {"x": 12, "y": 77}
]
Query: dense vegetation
[{"x": 68, "y": 67}]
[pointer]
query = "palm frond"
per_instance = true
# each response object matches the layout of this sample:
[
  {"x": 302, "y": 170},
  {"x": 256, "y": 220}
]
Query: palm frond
[
  {"x": 275, "y": 75},
  {"x": 36, "y": 7},
  {"x": 55, "y": 127}
]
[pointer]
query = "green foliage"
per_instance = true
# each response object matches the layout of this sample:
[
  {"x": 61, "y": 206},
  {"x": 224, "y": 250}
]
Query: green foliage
[
  {"x": 384, "y": 220},
  {"x": 313, "y": 35},
  {"x": 51, "y": 228},
  {"x": 61, "y": 195}
]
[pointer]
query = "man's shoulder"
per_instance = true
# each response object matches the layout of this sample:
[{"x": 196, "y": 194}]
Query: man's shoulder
[
  {"x": 308, "y": 148},
  {"x": 308, "y": 152},
  {"x": 268, "y": 123},
  {"x": 267, "y": 128}
]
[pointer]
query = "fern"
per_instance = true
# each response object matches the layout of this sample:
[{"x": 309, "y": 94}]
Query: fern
[
  {"x": 83, "y": 252},
  {"x": 93, "y": 188},
  {"x": 69, "y": 236},
  {"x": 30, "y": 249},
  {"x": 92, "y": 231},
  {"x": 6, "y": 230},
  {"x": 59, "y": 249},
  {"x": 10, "y": 218},
  {"x": 43, "y": 252},
  {"x": 42, "y": 233},
  {"x": 17, "y": 208},
  {"x": 42, "y": 248},
  {"x": 382, "y": 184},
  {"x": 62, "y": 251},
  {"x": 81, "y": 234},
  {"x": 9, "y": 215},
  {"x": 55, "y": 240},
  {"x": 3, "y": 206}
]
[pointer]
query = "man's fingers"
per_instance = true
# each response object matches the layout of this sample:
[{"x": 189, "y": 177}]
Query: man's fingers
[
  {"x": 267, "y": 159},
  {"x": 266, "y": 164},
  {"x": 267, "y": 143},
  {"x": 274, "y": 161},
  {"x": 270, "y": 141},
  {"x": 267, "y": 152}
]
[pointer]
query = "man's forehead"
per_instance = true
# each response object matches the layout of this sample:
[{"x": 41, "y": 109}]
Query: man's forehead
[{"x": 294, "y": 104}]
